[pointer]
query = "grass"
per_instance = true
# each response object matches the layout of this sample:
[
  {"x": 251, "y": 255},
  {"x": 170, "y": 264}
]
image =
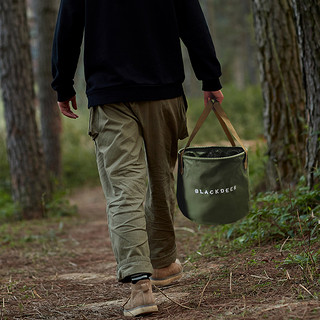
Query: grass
[
  {"x": 22, "y": 233},
  {"x": 288, "y": 220},
  {"x": 275, "y": 216}
]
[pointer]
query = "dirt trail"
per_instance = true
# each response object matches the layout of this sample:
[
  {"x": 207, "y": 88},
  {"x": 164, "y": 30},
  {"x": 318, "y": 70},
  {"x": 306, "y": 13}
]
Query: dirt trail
[{"x": 68, "y": 272}]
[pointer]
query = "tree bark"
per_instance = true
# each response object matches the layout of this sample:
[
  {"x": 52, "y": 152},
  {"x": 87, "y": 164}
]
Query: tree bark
[
  {"x": 307, "y": 13},
  {"x": 45, "y": 19},
  {"x": 28, "y": 176},
  {"x": 283, "y": 93}
]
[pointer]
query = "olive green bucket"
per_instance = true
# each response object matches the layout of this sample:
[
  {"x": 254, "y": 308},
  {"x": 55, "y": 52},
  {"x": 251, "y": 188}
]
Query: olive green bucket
[{"x": 213, "y": 182}]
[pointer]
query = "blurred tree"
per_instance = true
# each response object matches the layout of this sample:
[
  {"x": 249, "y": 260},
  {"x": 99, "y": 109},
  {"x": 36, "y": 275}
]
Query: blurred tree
[
  {"x": 284, "y": 97},
  {"x": 307, "y": 13},
  {"x": 231, "y": 26},
  {"x": 28, "y": 175},
  {"x": 45, "y": 13}
]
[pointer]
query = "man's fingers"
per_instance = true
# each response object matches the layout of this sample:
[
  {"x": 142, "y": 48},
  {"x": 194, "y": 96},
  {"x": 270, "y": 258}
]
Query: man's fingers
[
  {"x": 69, "y": 114},
  {"x": 215, "y": 95},
  {"x": 219, "y": 99},
  {"x": 218, "y": 95},
  {"x": 66, "y": 110}
]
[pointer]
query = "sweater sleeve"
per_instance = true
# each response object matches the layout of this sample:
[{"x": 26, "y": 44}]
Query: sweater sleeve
[
  {"x": 194, "y": 33},
  {"x": 66, "y": 46}
]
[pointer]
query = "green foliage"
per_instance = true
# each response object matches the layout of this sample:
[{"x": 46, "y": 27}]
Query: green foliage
[
  {"x": 79, "y": 165},
  {"x": 22, "y": 233},
  {"x": 308, "y": 260},
  {"x": 59, "y": 205},
  {"x": 303, "y": 259},
  {"x": 289, "y": 219},
  {"x": 257, "y": 156},
  {"x": 79, "y": 168},
  {"x": 8, "y": 210},
  {"x": 275, "y": 216},
  {"x": 278, "y": 215},
  {"x": 4, "y": 165},
  {"x": 243, "y": 107}
]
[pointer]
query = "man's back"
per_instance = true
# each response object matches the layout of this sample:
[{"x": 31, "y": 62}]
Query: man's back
[
  {"x": 132, "y": 48},
  {"x": 132, "y": 44}
]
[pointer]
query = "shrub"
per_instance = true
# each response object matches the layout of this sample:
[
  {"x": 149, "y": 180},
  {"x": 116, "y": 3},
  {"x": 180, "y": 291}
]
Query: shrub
[{"x": 292, "y": 213}]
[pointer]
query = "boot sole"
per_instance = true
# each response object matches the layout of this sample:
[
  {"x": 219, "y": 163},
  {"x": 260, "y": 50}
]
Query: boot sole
[
  {"x": 166, "y": 281},
  {"x": 140, "y": 311}
]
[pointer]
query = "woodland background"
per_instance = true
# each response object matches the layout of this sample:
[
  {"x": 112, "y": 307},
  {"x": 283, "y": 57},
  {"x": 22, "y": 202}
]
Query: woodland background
[{"x": 270, "y": 56}]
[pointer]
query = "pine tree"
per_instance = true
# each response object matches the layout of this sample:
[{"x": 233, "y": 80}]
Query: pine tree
[{"x": 28, "y": 175}]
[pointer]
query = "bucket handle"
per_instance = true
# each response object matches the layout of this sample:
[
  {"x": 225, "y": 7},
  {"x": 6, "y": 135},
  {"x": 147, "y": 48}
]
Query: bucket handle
[{"x": 225, "y": 123}]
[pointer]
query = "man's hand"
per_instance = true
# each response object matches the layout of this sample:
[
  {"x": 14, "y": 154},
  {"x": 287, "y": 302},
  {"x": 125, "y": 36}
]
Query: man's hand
[
  {"x": 213, "y": 95},
  {"x": 66, "y": 110}
]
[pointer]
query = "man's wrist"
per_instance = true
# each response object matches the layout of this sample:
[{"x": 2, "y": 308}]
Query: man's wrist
[
  {"x": 65, "y": 95},
  {"x": 211, "y": 85}
]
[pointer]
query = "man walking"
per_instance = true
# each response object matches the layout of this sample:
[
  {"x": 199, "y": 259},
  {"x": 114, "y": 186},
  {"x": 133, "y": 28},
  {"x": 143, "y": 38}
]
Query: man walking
[{"x": 134, "y": 75}]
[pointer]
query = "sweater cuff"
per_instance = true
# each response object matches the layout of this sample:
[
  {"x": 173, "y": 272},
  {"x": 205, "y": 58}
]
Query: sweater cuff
[
  {"x": 211, "y": 85},
  {"x": 65, "y": 95}
]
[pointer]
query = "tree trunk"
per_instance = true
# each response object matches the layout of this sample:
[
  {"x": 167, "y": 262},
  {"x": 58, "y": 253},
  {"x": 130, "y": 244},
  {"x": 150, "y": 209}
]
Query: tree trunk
[
  {"x": 45, "y": 18},
  {"x": 307, "y": 14},
  {"x": 29, "y": 184},
  {"x": 283, "y": 92}
]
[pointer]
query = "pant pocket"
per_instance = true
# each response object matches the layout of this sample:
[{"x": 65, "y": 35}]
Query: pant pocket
[{"x": 93, "y": 122}]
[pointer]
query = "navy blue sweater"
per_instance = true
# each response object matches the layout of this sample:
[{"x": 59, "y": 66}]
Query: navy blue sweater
[{"x": 132, "y": 49}]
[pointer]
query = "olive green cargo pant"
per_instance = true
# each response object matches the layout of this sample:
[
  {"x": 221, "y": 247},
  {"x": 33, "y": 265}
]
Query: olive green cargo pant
[{"x": 136, "y": 141}]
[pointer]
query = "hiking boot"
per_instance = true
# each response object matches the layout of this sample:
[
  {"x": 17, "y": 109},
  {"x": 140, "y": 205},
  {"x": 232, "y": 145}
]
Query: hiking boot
[
  {"x": 168, "y": 275},
  {"x": 141, "y": 300}
]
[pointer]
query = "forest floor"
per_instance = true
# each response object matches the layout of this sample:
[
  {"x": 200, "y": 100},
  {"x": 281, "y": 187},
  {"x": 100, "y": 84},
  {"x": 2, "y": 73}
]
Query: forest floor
[{"x": 65, "y": 269}]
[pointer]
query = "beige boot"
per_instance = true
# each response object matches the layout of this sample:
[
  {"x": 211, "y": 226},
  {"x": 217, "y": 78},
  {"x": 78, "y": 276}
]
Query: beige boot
[
  {"x": 168, "y": 275},
  {"x": 141, "y": 300}
]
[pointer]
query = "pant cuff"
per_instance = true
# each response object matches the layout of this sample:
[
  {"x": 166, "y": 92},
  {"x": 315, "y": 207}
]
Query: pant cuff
[
  {"x": 164, "y": 261},
  {"x": 132, "y": 266}
]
